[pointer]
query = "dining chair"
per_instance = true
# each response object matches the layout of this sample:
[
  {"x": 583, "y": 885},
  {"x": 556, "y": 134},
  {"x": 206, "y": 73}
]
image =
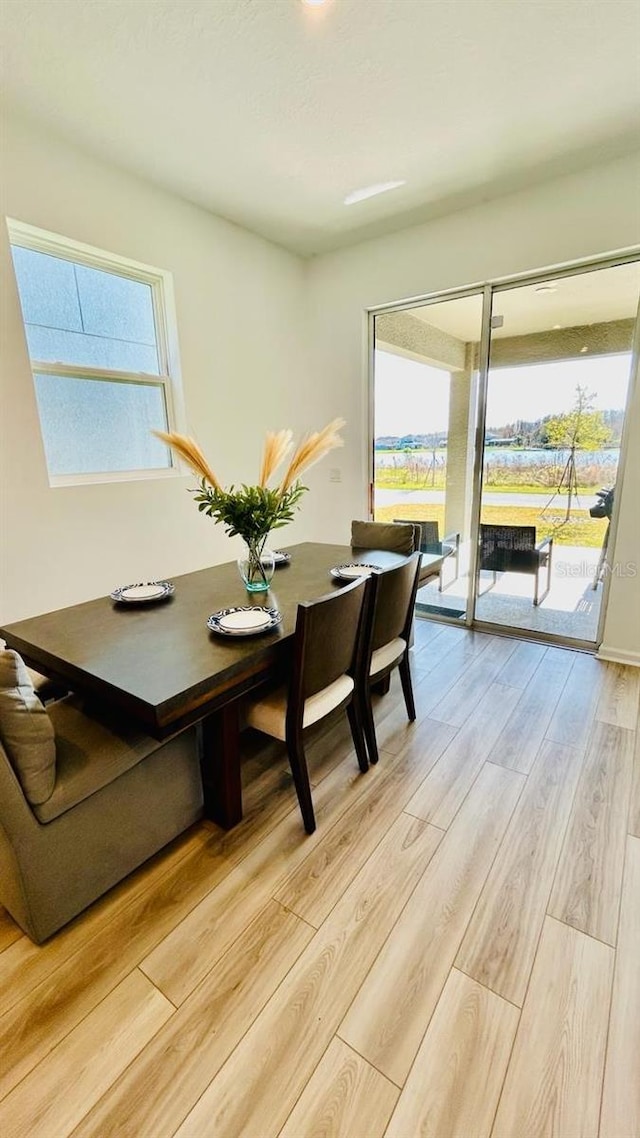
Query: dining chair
[
  {"x": 322, "y": 679},
  {"x": 386, "y": 640},
  {"x": 396, "y": 538}
]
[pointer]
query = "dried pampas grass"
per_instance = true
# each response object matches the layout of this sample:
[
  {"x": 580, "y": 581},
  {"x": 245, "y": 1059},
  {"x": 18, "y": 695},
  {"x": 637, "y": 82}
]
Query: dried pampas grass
[
  {"x": 188, "y": 450},
  {"x": 311, "y": 449},
  {"x": 276, "y": 447}
]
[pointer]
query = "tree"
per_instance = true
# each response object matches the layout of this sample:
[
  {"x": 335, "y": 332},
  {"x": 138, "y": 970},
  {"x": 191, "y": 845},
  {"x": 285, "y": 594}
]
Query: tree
[{"x": 581, "y": 428}]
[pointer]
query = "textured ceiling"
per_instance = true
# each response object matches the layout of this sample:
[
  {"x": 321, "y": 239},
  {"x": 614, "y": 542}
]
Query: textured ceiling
[{"x": 269, "y": 113}]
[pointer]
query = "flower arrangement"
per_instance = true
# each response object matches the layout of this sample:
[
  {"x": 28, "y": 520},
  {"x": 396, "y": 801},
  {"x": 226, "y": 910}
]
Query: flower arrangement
[{"x": 251, "y": 512}]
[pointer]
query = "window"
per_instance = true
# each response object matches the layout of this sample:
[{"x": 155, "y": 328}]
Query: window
[{"x": 96, "y": 329}]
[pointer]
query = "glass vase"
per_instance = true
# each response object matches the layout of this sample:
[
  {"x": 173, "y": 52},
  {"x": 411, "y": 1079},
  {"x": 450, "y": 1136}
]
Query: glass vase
[{"x": 256, "y": 566}]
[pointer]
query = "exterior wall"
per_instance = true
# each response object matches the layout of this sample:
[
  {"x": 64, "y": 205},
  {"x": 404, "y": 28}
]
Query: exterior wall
[
  {"x": 460, "y": 445},
  {"x": 543, "y": 347}
]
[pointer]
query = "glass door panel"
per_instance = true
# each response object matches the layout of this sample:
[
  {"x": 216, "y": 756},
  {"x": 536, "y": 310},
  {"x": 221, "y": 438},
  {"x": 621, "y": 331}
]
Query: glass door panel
[
  {"x": 425, "y": 406},
  {"x": 559, "y": 367}
]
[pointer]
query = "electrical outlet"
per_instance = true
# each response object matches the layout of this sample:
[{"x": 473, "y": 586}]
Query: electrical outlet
[{"x": 335, "y": 474}]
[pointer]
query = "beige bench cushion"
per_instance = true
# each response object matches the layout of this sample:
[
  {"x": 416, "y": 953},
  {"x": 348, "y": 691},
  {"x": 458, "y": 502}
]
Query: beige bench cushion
[
  {"x": 92, "y": 750},
  {"x": 380, "y": 535},
  {"x": 25, "y": 730}
]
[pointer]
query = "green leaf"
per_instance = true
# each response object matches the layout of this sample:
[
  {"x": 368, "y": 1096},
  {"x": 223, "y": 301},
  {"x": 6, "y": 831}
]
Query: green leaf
[{"x": 250, "y": 511}]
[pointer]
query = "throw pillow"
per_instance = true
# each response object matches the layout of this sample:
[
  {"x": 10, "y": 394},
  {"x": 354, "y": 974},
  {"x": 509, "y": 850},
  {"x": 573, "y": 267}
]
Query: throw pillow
[{"x": 26, "y": 732}]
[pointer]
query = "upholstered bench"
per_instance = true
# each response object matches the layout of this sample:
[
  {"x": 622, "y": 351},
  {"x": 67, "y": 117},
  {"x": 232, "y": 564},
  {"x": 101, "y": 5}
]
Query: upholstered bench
[{"x": 85, "y": 797}]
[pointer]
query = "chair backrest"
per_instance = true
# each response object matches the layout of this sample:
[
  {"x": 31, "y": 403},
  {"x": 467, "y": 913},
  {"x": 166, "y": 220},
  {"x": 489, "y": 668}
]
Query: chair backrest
[
  {"x": 503, "y": 546},
  {"x": 403, "y": 538},
  {"x": 391, "y": 603},
  {"x": 326, "y": 641},
  {"x": 429, "y": 532}
]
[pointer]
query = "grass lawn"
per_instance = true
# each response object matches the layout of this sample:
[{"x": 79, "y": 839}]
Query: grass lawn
[
  {"x": 386, "y": 480},
  {"x": 581, "y": 530},
  {"x": 500, "y": 488}
]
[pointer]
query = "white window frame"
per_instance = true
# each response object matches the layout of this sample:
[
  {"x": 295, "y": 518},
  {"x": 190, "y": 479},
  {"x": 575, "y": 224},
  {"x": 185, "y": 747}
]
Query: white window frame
[{"x": 169, "y": 378}]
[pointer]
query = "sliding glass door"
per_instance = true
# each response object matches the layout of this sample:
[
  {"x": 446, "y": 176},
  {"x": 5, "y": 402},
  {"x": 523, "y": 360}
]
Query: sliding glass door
[
  {"x": 559, "y": 370},
  {"x": 498, "y": 417}
]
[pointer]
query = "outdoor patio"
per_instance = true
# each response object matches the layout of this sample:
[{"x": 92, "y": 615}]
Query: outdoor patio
[{"x": 570, "y": 609}]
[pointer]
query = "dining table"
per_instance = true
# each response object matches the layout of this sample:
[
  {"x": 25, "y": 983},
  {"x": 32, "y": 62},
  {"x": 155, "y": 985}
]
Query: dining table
[{"x": 160, "y": 664}]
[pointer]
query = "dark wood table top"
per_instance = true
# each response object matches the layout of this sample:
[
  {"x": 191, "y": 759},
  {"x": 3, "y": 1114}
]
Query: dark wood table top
[{"x": 159, "y": 661}]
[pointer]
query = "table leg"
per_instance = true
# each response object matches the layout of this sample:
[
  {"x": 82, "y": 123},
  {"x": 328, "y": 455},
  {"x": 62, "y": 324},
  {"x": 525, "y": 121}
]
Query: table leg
[{"x": 220, "y": 765}]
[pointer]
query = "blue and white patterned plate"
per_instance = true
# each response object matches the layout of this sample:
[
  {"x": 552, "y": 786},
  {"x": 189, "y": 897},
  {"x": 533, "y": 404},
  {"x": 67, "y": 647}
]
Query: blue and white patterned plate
[
  {"x": 281, "y": 558},
  {"x": 352, "y": 571},
  {"x": 142, "y": 593},
  {"x": 244, "y": 620}
]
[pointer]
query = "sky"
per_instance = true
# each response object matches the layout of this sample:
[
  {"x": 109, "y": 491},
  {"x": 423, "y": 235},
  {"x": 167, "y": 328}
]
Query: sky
[{"x": 412, "y": 398}]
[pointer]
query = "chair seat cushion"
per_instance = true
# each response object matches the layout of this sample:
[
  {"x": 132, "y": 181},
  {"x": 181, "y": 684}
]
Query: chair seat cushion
[
  {"x": 387, "y": 655},
  {"x": 26, "y": 731},
  {"x": 92, "y": 750},
  {"x": 270, "y": 714}
]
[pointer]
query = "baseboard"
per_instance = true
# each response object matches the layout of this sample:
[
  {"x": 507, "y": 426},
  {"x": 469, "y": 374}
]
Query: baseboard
[{"x": 619, "y": 656}]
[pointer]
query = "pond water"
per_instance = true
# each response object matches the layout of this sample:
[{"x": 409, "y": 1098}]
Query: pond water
[{"x": 505, "y": 456}]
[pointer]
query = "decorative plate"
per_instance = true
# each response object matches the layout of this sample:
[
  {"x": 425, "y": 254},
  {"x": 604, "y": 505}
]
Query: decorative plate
[
  {"x": 142, "y": 593},
  {"x": 352, "y": 570},
  {"x": 281, "y": 558},
  {"x": 244, "y": 620}
]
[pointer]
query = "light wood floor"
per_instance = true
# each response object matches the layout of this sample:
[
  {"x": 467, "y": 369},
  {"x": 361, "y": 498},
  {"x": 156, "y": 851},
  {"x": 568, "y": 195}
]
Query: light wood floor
[{"x": 454, "y": 953}]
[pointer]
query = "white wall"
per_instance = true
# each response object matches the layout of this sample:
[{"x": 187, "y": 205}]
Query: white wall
[
  {"x": 621, "y": 639},
  {"x": 239, "y": 308},
  {"x": 588, "y": 214}
]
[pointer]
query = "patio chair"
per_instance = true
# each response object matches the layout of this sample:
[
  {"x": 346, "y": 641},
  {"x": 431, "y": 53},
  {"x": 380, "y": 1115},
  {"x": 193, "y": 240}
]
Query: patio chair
[
  {"x": 513, "y": 549},
  {"x": 326, "y": 643},
  {"x": 430, "y": 543}
]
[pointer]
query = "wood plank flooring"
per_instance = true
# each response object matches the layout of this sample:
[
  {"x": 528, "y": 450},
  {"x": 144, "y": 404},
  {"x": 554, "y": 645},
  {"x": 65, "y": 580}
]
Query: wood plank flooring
[{"x": 453, "y": 954}]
